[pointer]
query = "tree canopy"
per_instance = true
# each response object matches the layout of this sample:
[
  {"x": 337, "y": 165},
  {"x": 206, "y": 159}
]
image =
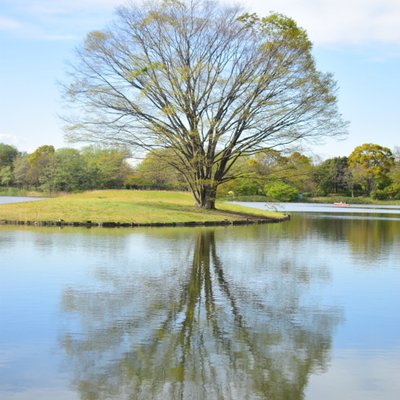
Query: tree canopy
[
  {"x": 370, "y": 164},
  {"x": 67, "y": 169},
  {"x": 206, "y": 81},
  {"x": 7, "y": 154},
  {"x": 333, "y": 176}
]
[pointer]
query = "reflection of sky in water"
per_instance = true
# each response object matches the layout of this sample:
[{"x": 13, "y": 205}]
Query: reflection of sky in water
[
  {"x": 322, "y": 266},
  {"x": 377, "y": 376}
]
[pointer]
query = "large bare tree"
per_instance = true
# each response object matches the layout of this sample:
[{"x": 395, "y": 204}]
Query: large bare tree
[{"x": 203, "y": 80}]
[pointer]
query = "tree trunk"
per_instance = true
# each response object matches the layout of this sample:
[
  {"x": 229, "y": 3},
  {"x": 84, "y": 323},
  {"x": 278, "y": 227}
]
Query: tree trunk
[{"x": 205, "y": 197}]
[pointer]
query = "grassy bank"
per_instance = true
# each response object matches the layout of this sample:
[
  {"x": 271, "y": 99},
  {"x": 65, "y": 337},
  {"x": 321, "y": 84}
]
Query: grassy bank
[
  {"x": 140, "y": 207},
  {"x": 252, "y": 198},
  {"x": 351, "y": 200},
  {"x": 321, "y": 199},
  {"x": 11, "y": 191}
]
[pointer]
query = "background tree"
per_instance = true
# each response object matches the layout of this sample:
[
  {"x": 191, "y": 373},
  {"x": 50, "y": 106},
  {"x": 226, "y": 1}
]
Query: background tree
[
  {"x": 7, "y": 156},
  {"x": 68, "y": 171},
  {"x": 156, "y": 172},
  {"x": 21, "y": 169},
  {"x": 203, "y": 80},
  {"x": 392, "y": 191},
  {"x": 6, "y": 175},
  {"x": 370, "y": 165},
  {"x": 281, "y": 191},
  {"x": 40, "y": 169},
  {"x": 298, "y": 172},
  {"x": 106, "y": 168},
  {"x": 333, "y": 176},
  {"x": 255, "y": 173},
  {"x": 249, "y": 179},
  {"x": 286, "y": 174}
]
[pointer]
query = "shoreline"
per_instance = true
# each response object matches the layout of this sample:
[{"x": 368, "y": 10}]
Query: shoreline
[{"x": 111, "y": 224}]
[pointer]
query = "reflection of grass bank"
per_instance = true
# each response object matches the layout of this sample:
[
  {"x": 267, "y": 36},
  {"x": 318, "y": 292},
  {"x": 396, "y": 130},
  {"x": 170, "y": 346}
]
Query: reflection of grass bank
[{"x": 124, "y": 206}]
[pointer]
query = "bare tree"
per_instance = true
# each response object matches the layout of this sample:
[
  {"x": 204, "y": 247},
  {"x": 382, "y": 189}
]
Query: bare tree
[{"x": 203, "y": 80}]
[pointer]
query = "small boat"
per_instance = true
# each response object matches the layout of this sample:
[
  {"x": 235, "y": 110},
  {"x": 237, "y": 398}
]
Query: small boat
[{"x": 341, "y": 204}]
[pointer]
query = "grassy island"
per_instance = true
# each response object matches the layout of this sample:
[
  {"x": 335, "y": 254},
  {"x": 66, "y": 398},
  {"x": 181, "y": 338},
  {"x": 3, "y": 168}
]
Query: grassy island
[{"x": 130, "y": 208}]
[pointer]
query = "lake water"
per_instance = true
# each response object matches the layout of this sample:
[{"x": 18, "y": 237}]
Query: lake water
[
  {"x": 15, "y": 199},
  {"x": 306, "y": 309}
]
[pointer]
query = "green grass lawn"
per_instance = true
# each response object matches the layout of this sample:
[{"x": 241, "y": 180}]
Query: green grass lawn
[
  {"x": 127, "y": 206},
  {"x": 351, "y": 200}
]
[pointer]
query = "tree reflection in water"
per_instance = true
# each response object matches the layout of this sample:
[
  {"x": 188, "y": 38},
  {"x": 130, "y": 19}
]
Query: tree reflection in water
[{"x": 203, "y": 337}]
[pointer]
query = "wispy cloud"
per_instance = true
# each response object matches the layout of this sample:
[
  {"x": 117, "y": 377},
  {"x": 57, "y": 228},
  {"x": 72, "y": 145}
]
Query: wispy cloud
[
  {"x": 8, "y": 138},
  {"x": 9, "y": 24},
  {"x": 328, "y": 22},
  {"x": 21, "y": 142},
  {"x": 55, "y": 20},
  {"x": 32, "y": 31},
  {"x": 59, "y": 7},
  {"x": 340, "y": 21}
]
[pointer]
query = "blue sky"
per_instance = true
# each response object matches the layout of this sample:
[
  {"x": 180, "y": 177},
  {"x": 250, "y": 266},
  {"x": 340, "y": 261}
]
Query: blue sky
[{"x": 357, "y": 40}]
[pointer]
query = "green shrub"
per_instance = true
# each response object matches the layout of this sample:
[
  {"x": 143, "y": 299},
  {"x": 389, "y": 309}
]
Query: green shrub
[
  {"x": 380, "y": 194},
  {"x": 391, "y": 192},
  {"x": 281, "y": 191}
]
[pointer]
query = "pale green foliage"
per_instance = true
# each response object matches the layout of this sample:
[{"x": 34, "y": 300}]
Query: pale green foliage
[
  {"x": 106, "y": 168},
  {"x": 333, "y": 176},
  {"x": 155, "y": 172},
  {"x": 7, "y": 154},
  {"x": 21, "y": 167},
  {"x": 6, "y": 175},
  {"x": 70, "y": 169},
  {"x": 40, "y": 169},
  {"x": 298, "y": 172},
  {"x": 41, "y": 152},
  {"x": 370, "y": 165},
  {"x": 281, "y": 191},
  {"x": 295, "y": 170}
]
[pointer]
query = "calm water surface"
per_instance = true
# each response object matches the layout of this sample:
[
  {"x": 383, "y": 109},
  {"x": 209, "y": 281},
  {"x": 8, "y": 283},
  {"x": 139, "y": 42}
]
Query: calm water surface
[
  {"x": 16, "y": 199},
  {"x": 306, "y": 309}
]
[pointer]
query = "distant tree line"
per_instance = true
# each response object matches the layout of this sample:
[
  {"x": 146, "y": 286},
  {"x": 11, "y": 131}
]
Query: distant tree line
[
  {"x": 65, "y": 169},
  {"x": 370, "y": 170}
]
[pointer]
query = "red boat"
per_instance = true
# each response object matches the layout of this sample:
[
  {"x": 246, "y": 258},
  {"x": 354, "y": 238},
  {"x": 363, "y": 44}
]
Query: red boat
[{"x": 341, "y": 204}]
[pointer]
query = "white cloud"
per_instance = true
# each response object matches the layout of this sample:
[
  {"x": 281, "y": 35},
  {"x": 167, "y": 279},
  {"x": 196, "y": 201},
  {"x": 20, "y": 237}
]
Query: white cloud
[
  {"x": 327, "y": 22},
  {"x": 8, "y": 139},
  {"x": 33, "y": 31},
  {"x": 64, "y": 7},
  {"x": 339, "y": 21},
  {"x": 55, "y": 20},
  {"x": 9, "y": 24},
  {"x": 20, "y": 142}
]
